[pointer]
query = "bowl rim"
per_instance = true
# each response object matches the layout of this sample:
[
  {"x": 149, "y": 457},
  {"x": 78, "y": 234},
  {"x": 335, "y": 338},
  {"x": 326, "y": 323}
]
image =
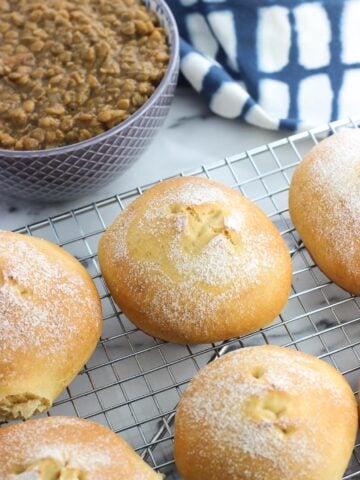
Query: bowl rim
[{"x": 174, "y": 40}]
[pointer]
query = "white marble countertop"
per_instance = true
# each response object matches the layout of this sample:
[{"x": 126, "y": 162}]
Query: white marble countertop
[{"x": 191, "y": 136}]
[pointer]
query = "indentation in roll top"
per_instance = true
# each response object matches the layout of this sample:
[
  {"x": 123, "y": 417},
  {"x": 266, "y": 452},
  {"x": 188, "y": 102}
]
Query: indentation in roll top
[
  {"x": 21, "y": 290},
  {"x": 271, "y": 407},
  {"x": 22, "y": 406},
  {"x": 203, "y": 223},
  {"x": 258, "y": 372},
  {"x": 48, "y": 469}
]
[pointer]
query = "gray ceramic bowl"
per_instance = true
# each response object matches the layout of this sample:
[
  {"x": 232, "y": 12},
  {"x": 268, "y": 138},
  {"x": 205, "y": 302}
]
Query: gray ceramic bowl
[{"x": 77, "y": 169}]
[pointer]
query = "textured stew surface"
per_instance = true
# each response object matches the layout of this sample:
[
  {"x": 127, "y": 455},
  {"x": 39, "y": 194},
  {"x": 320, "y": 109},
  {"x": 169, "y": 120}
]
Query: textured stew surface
[{"x": 70, "y": 70}]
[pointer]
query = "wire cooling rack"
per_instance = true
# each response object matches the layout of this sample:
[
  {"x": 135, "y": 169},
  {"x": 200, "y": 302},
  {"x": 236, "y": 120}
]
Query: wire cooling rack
[{"x": 133, "y": 382}]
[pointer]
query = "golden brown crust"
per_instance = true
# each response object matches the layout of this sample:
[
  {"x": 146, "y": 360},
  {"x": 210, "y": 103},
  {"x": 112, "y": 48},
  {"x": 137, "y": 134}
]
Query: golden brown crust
[
  {"x": 325, "y": 207},
  {"x": 265, "y": 413},
  {"x": 50, "y": 322},
  {"x": 68, "y": 446},
  {"x": 193, "y": 261}
]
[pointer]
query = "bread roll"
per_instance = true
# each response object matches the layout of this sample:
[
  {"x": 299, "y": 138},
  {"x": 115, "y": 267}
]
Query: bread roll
[
  {"x": 325, "y": 207},
  {"x": 265, "y": 413},
  {"x": 65, "y": 448},
  {"x": 193, "y": 261},
  {"x": 50, "y": 322}
]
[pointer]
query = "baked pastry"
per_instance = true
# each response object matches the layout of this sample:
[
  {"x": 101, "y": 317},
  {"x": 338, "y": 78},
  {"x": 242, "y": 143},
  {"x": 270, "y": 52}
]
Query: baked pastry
[
  {"x": 50, "y": 322},
  {"x": 66, "y": 448},
  {"x": 266, "y": 413},
  {"x": 193, "y": 261},
  {"x": 325, "y": 207}
]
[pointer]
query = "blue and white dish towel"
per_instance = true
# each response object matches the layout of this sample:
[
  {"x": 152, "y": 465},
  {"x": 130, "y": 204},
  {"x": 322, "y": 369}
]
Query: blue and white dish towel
[{"x": 279, "y": 64}]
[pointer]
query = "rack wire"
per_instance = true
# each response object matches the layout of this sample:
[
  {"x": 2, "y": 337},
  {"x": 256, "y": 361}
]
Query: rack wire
[{"x": 133, "y": 382}]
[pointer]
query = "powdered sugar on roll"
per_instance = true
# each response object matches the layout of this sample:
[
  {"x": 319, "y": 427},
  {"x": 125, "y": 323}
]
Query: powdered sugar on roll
[
  {"x": 190, "y": 251},
  {"x": 325, "y": 206},
  {"x": 265, "y": 413},
  {"x": 40, "y": 291},
  {"x": 69, "y": 448},
  {"x": 50, "y": 322}
]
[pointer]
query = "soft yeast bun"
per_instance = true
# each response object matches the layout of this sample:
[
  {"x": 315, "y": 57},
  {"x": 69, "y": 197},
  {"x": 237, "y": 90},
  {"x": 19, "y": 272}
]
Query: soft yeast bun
[
  {"x": 65, "y": 448},
  {"x": 193, "y": 261},
  {"x": 325, "y": 207},
  {"x": 265, "y": 413},
  {"x": 50, "y": 322}
]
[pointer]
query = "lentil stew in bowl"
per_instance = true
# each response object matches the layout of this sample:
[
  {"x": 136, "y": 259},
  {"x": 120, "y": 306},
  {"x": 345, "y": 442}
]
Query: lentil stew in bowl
[{"x": 71, "y": 70}]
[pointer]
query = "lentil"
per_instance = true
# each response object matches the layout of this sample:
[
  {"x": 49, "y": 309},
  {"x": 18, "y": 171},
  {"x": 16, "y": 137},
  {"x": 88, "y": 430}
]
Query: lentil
[{"x": 72, "y": 70}]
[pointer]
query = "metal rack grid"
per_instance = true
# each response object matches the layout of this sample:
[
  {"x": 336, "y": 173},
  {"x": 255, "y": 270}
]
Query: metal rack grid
[{"x": 133, "y": 382}]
